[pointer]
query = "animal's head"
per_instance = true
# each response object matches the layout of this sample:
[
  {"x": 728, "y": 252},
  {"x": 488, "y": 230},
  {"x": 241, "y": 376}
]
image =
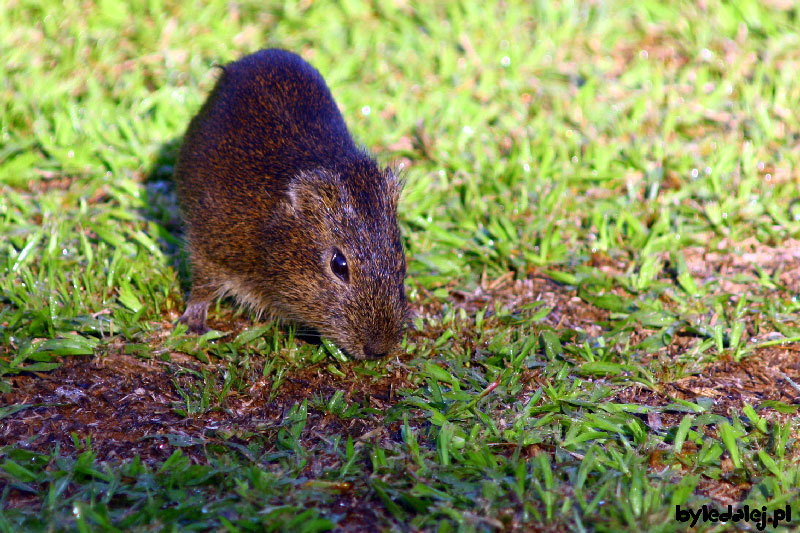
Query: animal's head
[{"x": 347, "y": 259}]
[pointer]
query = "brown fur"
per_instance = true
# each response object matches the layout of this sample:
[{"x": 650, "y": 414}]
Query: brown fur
[{"x": 270, "y": 183}]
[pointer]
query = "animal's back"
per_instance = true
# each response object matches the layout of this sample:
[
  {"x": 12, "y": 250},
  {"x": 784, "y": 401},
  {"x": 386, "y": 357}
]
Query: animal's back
[{"x": 270, "y": 116}]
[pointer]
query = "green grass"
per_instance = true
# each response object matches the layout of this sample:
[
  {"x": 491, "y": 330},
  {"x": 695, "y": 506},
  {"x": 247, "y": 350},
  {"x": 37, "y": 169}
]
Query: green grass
[{"x": 630, "y": 168}]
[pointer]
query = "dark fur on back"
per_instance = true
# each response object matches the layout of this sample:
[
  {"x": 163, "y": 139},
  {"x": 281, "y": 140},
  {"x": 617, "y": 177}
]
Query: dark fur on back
[{"x": 271, "y": 184}]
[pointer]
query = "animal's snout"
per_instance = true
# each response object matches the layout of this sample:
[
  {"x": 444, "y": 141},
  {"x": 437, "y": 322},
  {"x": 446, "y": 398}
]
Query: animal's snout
[{"x": 375, "y": 351}]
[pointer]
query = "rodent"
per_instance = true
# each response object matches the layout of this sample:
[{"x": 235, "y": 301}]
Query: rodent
[{"x": 286, "y": 214}]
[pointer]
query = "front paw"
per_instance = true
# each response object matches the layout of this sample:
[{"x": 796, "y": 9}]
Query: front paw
[{"x": 195, "y": 318}]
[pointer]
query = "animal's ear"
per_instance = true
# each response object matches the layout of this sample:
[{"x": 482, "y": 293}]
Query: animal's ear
[
  {"x": 394, "y": 186},
  {"x": 313, "y": 192}
]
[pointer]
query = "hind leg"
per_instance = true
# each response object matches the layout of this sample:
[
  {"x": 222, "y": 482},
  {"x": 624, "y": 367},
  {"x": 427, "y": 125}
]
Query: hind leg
[{"x": 200, "y": 296}]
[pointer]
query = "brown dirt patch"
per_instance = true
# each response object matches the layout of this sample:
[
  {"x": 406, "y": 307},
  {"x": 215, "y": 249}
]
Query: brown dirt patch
[
  {"x": 750, "y": 255},
  {"x": 731, "y": 384},
  {"x": 127, "y": 406}
]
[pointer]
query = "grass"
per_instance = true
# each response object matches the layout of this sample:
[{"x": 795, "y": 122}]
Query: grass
[{"x": 601, "y": 225}]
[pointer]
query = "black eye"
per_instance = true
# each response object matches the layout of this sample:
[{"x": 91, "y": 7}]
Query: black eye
[{"x": 339, "y": 266}]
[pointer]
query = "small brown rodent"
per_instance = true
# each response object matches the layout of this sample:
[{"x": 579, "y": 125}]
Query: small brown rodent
[{"x": 286, "y": 214}]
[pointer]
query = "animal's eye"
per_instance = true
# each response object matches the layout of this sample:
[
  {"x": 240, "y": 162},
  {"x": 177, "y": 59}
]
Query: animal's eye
[{"x": 339, "y": 266}]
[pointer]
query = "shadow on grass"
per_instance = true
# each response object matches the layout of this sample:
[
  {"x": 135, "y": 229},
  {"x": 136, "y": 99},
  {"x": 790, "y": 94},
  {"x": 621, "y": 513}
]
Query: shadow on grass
[{"x": 162, "y": 208}]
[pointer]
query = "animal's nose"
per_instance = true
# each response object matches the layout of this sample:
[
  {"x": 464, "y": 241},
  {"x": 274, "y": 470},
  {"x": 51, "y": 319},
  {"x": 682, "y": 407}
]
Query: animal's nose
[{"x": 374, "y": 352}]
